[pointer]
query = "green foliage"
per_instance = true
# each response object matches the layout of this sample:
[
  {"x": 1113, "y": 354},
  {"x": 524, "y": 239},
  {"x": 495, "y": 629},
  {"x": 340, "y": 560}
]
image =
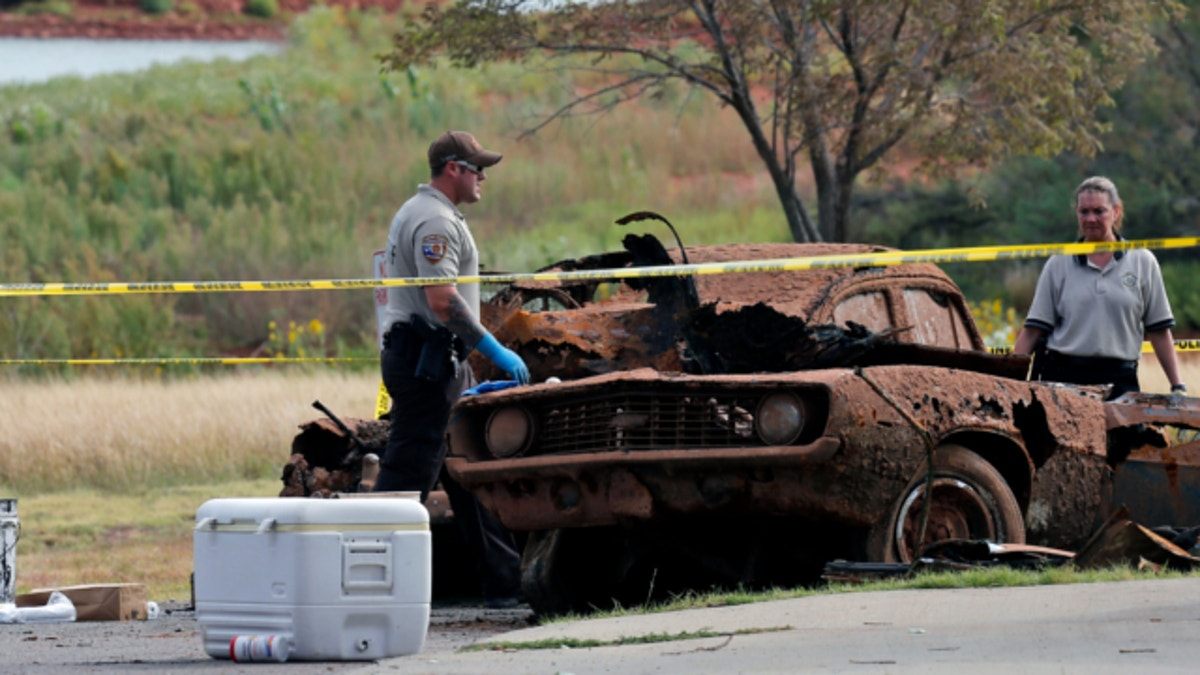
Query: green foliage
[
  {"x": 1007, "y": 79},
  {"x": 998, "y": 324},
  {"x": 264, "y": 9},
  {"x": 156, "y": 6},
  {"x": 36, "y": 122},
  {"x": 54, "y": 7},
  {"x": 267, "y": 105},
  {"x": 290, "y": 167},
  {"x": 1180, "y": 279}
]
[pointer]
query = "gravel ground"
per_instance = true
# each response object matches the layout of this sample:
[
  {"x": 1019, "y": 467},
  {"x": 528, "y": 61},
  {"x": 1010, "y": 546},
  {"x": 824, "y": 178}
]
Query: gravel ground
[{"x": 171, "y": 643}]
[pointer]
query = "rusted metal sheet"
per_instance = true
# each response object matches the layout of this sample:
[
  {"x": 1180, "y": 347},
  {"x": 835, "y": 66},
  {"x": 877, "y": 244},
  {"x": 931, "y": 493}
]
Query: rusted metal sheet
[
  {"x": 1136, "y": 408},
  {"x": 651, "y": 326},
  {"x": 1120, "y": 541},
  {"x": 604, "y": 490},
  {"x": 571, "y": 345},
  {"x": 1160, "y": 486}
]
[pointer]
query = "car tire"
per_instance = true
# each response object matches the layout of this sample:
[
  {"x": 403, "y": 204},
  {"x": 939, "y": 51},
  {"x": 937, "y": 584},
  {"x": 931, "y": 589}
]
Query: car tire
[
  {"x": 574, "y": 570},
  {"x": 971, "y": 501}
]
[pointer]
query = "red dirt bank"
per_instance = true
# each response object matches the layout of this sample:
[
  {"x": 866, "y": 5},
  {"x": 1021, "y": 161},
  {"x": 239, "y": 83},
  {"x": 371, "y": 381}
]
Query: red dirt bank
[{"x": 203, "y": 20}]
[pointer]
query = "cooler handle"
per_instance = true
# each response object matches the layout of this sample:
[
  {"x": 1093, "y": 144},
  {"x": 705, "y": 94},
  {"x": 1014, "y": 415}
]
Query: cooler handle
[{"x": 366, "y": 566}]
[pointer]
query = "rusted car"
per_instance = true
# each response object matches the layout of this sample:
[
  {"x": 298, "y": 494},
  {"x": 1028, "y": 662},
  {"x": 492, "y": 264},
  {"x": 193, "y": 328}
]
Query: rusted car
[{"x": 744, "y": 429}]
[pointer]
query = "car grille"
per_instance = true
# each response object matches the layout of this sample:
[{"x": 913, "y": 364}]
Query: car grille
[{"x": 646, "y": 420}]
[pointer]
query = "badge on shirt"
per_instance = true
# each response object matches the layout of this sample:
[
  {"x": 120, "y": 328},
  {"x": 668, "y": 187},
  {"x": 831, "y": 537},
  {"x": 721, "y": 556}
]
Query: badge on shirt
[
  {"x": 1129, "y": 279},
  {"x": 433, "y": 247}
]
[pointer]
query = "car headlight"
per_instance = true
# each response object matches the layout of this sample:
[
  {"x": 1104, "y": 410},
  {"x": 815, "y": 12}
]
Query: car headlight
[
  {"x": 509, "y": 431},
  {"x": 780, "y": 418}
]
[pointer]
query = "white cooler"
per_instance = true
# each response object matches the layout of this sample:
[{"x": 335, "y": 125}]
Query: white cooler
[{"x": 341, "y": 579}]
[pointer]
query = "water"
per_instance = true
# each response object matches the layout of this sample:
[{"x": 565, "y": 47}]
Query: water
[{"x": 32, "y": 60}]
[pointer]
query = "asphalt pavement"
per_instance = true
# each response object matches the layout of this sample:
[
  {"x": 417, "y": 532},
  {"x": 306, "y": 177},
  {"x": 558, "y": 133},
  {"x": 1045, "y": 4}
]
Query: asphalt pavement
[
  {"x": 1126, "y": 627},
  {"x": 1122, "y": 627}
]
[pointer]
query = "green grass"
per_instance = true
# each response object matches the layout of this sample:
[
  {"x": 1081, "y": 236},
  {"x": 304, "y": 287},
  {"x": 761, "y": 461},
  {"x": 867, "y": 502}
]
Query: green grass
[
  {"x": 652, "y": 638},
  {"x": 88, "y": 536},
  {"x": 985, "y": 577}
]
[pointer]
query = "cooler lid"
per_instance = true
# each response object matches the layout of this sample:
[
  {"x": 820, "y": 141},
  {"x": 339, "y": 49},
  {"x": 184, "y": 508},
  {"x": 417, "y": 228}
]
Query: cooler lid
[{"x": 385, "y": 512}]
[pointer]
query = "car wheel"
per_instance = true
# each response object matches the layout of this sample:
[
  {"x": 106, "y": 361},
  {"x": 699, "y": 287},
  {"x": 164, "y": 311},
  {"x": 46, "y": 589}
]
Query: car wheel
[
  {"x": 971, "y": 500},
  {"x": 574, "y": 570}
]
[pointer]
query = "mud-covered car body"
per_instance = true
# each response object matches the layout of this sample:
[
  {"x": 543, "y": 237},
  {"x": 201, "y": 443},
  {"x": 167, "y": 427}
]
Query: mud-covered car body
[
  {"x": 731, "y": 427},
  {"x": 644, "y": 445}
]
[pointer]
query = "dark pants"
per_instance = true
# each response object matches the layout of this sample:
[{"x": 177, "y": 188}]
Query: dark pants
[
  {"x": 416, "y": 452},
  {"x": 1122, "y": 375}
]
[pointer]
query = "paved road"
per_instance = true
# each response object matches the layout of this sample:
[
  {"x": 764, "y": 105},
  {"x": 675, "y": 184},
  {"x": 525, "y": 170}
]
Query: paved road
[
  {"x": 1128, "y": 627},
  {"x": 172, "y": 644}
]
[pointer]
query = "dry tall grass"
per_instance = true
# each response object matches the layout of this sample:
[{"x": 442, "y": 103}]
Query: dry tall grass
[
  {"x": 128, "y": 435},
  {"x": 109, "y": 472}
]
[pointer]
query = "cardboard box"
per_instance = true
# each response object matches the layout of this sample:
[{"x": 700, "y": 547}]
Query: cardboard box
[{"x": 96, "y": 602}]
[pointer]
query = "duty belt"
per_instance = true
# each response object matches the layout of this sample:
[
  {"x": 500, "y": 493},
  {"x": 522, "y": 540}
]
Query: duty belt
[{"x": 1089, "y": 362}]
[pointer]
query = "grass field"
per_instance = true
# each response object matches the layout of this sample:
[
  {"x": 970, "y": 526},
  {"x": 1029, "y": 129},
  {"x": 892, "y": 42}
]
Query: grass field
[{"x": 109, "y": 472}]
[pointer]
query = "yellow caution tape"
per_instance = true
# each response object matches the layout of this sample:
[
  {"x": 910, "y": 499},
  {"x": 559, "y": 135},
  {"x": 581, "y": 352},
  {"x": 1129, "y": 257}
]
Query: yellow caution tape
[
  {"x": 1147, "y": 348},
  {"x": 882, "y": 259},
  {"x": 383, "y": 402}
]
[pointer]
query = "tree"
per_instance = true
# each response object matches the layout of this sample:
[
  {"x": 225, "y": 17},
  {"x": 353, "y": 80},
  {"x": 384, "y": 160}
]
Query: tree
[
  {"x": 840, "y": 83},
  {"x": 1156, "y": 123}
]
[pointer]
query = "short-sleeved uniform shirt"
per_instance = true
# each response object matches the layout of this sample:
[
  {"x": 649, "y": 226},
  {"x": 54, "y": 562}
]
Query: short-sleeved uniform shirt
[
  {"x": 1100, "y": 312},
  {"x": 429, "y": 237}
]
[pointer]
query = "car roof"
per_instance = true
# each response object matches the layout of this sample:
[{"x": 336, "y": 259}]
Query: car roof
[{"x": 795, "y": 293}]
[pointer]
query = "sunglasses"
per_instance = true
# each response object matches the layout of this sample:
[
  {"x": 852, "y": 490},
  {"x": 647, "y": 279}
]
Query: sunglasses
[{"x": 469, "y": 167}]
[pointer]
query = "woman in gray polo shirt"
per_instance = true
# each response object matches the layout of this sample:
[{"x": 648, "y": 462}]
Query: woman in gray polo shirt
[{"x": 1095, "y": 310}]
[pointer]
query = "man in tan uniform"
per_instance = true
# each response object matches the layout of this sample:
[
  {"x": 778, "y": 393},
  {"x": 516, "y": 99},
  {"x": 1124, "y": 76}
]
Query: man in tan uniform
[{"x": 431, "y": 331}]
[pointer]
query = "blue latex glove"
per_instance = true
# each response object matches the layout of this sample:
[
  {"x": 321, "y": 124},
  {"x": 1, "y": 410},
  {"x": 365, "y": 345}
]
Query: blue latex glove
[
  {"x": 504, "y": 357},
  {"x": 490, "y": 385}
]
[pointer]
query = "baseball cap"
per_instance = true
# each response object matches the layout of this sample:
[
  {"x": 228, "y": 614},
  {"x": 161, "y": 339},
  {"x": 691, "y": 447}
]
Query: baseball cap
[{"x": 454, "y": 145}]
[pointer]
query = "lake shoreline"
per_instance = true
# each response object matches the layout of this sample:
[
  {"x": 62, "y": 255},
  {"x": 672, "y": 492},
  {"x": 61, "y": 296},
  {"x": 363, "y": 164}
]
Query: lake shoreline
[{"x": 26, "y": 61}]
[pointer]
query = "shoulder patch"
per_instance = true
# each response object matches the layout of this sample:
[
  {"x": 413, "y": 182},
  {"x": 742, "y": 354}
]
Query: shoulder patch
[{"x": 433, "y": 247}]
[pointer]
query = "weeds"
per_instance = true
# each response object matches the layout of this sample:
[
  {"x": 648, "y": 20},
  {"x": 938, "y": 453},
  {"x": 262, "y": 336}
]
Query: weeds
[{"x": 648, "y": 639}]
